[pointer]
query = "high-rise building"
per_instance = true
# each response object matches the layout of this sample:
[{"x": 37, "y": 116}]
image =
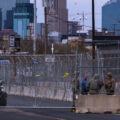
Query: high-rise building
[
  {"x": 0, "y": 19},
  {"x": 22, "y": 1},
  {"x": 30, "y": 30},
  {"x": 23, "y": 15},
  {"x": 58, "y": 17},
  {"x": 111, "y": 16},
  {"x": 8, "y": 22},
  {"x": 73, "y": 27},
  {"x": 6, "y": 5}
]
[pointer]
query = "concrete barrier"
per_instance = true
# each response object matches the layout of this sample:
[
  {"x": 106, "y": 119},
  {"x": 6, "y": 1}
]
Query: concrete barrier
[
  {"x": 40, "y": 92},
  {"x": 98, "y": 104},
  {"x": 117, "y": 90}
]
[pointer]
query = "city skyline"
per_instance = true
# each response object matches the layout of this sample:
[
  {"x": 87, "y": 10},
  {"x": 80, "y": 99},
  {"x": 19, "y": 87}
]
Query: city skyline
[
  {"x": 78, "y": 6},
  {"x": 75, "y": 7}
]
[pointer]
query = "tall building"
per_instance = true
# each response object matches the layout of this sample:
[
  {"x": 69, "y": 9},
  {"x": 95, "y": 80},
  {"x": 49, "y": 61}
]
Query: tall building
[
  {"x": 23, "y": 15},
  {"x": 73, "y": 27},
  {"x": 6, "y": 5},
  {"x": 111, "y": 16},
  {"x": 58, "y": 17},
  {"x": 22, "y": 1},
  {"x": 30, "y": 30},
  {"x": 0, "y": 19},
  {"x": 8, "y": 22}
]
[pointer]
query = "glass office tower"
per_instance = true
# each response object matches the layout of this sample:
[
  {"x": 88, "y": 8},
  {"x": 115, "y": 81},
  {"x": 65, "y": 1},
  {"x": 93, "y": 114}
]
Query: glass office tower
[
  {"x": 22, "y": 1},
  {"x": 111, "y": 16},
  {"x": 6, "y": 5},
  {"x": 8, "y": 22},
  {"x": 0, "y": 19},
  {"x": 23, "y": 15}
]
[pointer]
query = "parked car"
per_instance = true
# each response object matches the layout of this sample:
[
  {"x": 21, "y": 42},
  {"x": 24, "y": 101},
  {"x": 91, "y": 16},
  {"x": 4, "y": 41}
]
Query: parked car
[{"x": 3, "y": 95}]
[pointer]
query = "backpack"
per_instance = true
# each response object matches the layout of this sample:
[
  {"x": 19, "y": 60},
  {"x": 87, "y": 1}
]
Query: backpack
[{"x": 94, "y": 85}]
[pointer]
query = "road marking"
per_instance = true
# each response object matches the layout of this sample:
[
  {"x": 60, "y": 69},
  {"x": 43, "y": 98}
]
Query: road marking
[{"x": 30, "y": 114}]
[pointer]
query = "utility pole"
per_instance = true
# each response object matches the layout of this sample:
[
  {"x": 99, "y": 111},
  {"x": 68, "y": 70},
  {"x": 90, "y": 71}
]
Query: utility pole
[
  {"x": 46, "y": 30},
  {"x": 67, "y": 36},
  {"x": 75, "y": 80},
  {"x": 83, "y": 19},
  {"x": 93, "y": 37},
  {"x": 93, "y": 29},
  {"x": 34, "y": 42}
]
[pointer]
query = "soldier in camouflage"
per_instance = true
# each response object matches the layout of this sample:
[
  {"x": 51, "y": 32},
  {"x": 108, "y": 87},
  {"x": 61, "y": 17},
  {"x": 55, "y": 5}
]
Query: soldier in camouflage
[
  {"x": 94, "y": 85},
  {"x": 109, "y": 84}
]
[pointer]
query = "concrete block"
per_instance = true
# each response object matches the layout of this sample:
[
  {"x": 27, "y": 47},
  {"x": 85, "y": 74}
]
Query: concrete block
[
  {"x": 41, "y": 92},
  {"x": 58, "y": 94},
  {"x": 67, "y": 95},
  {"x": 98, "y": 103}
]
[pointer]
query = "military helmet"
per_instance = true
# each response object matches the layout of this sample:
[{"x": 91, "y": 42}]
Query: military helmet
[
  {"x": 96, "y": 76},
  {"x": 109, "y": 74}
]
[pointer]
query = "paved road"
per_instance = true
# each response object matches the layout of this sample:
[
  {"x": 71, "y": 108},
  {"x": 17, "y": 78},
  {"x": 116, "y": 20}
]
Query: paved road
[
  {"x": 28, "y": 102},
  {"x": 46, "y": 113},
  {"x": 51, "y": 114}
]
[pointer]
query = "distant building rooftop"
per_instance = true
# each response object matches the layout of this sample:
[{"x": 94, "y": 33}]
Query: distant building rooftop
[{"x": 7, "y": 32}]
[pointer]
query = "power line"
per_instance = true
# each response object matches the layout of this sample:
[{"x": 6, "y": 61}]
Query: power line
[
  {"x": 56, "y": 17},
  {"x": 85, "y": 14},
  {"x": 83, "y": 18}
]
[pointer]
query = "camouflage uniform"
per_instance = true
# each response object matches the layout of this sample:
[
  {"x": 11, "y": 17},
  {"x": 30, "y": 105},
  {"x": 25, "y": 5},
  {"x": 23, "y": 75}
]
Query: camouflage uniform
[
  {"x": 110, "y": 84},
  {"x": 94, "y": 85}
]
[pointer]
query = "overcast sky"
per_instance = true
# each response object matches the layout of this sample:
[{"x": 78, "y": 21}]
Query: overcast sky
[{"x": 77, "y": 6}]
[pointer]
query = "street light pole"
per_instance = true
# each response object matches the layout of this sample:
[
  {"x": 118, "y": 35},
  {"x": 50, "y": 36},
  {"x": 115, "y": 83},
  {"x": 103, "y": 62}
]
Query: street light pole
[
  {"x": 35, "y": 20},
  {"x": 75, "y": 80},
  {"x": 93, "y": 29},
  {"x": 46, "y": 30}
]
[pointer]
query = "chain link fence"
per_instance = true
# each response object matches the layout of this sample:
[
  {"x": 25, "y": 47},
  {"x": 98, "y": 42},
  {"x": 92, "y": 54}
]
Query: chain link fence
[
  {"x": 50, "y": 77},
  {"x": 26, "y": 70}
]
